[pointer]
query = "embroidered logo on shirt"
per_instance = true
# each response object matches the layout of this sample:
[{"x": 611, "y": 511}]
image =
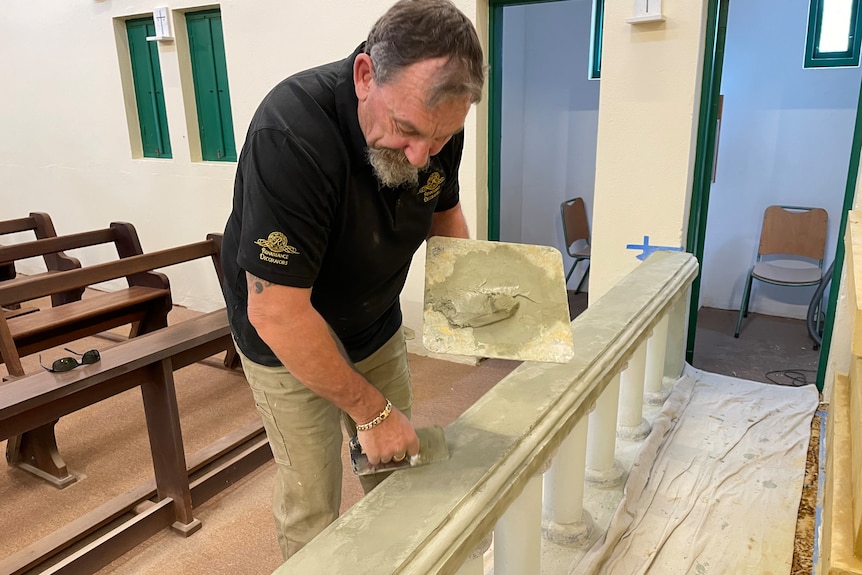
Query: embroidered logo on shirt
[
  {"x": 275, "y": 249},
  {"x": 431, "y": 189}
]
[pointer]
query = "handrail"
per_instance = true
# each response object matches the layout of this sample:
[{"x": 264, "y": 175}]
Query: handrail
[{"x": 430, "y": 519}]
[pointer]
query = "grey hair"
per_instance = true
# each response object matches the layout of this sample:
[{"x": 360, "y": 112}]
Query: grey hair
[{"x": 415, "y": 30}]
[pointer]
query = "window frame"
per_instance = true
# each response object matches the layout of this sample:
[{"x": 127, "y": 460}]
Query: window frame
[
  {"x": 848, "y": 58},
  {"x": 596, "y": 40}
]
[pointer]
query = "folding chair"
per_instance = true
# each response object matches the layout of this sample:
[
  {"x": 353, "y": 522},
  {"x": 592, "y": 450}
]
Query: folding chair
[
  {"x": 789, "y": 235},
  {"x": 576, "y": 230}
]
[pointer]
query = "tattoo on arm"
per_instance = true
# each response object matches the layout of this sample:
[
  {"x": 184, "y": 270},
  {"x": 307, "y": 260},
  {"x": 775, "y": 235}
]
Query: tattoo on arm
[{"x": 256, "y": 284}]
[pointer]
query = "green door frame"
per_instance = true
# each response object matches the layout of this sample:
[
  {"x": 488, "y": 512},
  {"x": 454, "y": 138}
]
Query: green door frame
[
  {"x": 838, "y": 262},
  {"x": 495, "y": 106},
  {"x": 713, "y": 65}
]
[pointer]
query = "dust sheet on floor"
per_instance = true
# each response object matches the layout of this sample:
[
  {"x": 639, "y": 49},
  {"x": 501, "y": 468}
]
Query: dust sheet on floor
[{"x": 716, "y": 486}]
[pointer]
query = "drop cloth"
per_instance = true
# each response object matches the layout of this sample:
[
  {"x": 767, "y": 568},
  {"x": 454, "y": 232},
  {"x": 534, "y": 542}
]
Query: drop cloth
[{"x": 716, "y": 486}]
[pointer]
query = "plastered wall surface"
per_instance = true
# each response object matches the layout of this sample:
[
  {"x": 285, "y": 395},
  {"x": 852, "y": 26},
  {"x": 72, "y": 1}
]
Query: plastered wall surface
[
  {"x": 66, "y": 148},
  {"x": 650, "y": 92}
]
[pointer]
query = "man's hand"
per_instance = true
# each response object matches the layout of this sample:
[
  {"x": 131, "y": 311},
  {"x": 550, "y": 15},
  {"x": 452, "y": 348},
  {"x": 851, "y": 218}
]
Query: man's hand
[{"x": 393, "y": 439}]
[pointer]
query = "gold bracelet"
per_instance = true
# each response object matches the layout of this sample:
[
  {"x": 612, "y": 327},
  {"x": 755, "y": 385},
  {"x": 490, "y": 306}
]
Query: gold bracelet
[{"x": 377, "y": 420}]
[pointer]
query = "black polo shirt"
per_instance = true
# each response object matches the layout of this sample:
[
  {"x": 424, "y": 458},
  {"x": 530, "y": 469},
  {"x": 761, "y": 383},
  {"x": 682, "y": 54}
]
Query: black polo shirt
[{"x": 308, "y": 212}]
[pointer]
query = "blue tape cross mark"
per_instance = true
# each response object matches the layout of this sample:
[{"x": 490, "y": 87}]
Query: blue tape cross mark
[{"x": 647, "y": 250}]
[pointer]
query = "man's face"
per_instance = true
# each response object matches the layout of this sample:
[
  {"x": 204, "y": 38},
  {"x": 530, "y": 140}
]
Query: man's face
[{"x": 401, "y": 132}]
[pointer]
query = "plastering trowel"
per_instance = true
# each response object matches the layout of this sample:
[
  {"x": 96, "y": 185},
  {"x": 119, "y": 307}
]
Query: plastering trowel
[{"x": 432, "y": 448}]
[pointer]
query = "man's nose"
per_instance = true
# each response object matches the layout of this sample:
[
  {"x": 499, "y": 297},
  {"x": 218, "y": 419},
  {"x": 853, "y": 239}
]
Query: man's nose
[{"x": 418, "y": 151}]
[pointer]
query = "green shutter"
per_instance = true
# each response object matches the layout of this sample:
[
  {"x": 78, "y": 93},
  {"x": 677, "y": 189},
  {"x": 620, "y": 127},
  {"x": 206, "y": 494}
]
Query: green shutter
[
  {"x": 149, "y": 96},
  {"x": 212, "y": 96}
]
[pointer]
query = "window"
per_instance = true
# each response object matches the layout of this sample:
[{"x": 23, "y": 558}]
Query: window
[
  {"x": 209, "y": 74},
  {"x": 596, "y": 40},
  {"x": 149, "y": 97},
  {"x": 834, "y": 33}
]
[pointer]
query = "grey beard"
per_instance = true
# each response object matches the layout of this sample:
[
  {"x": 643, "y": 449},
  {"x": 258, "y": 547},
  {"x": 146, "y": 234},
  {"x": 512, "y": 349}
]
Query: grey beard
[{"x": 392, "y": 167}]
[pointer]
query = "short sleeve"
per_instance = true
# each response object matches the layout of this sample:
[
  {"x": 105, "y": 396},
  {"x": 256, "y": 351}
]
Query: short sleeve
[
  {"x": 288, "y": 209},
  {"x": 450, "y": 157}
]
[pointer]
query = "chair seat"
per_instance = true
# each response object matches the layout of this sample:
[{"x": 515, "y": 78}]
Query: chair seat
[
  {"x": 773, "y": 273},
  {"x": 582, "y": 251}
]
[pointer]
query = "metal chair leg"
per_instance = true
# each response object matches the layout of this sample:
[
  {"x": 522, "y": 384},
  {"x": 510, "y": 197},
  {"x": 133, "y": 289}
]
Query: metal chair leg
[
  {"x": 748, "y": 294},
  {"x": 818, "y": 323},
  {"x": 583, "y": 277},
  {"x": 571, "y": 269},
  {"x": 743, "y": 305}
]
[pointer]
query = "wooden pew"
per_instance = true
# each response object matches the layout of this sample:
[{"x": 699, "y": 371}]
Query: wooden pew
[
  {"x": 145, "y": 304},
  {"x": 41, "y": 225},
  {"x": 147, "y": 362},
  {"x": 36, "y": 450}
]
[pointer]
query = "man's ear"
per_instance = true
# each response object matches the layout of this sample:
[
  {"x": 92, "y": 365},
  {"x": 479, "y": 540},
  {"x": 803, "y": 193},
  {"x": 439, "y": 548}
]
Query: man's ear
[{"x": 362, "y": 75}]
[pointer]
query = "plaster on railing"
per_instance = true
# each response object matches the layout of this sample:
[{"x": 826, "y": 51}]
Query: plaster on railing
[{"x": 430, "y": 519}]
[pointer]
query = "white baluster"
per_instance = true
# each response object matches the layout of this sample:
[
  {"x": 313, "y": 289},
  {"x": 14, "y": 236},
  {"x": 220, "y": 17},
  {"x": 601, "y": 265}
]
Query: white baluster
[
  {"x": 631, "y": 424},
  {"x": 565, "y": 521},
  {"x": 518, "y": 533},
  {"x": 677, "y": 333},
  {"x": 475, "y": 564},
  {"x": 602, "y": 469},
  {"x": 654, "y": 392}
]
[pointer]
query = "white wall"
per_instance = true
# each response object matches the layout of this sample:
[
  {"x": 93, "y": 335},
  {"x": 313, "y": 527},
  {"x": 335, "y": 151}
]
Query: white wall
[
  {"x": 549, "y": 120},
  {"x": 66, "y": 147},
  {"x": 785, "y": 139}
]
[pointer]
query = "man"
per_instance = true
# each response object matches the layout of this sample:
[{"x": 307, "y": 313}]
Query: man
[{"x": 346, "y": 169}]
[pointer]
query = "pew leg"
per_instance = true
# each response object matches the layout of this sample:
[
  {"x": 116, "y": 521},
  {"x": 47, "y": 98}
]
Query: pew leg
[
  {"x": 36, "y": 452},
  {"x": 153, "y": 321},
  {"x": 166, "y": 444}
]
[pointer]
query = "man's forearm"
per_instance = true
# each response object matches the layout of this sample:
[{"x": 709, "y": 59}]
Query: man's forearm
[{"x": 302, "y": 341}]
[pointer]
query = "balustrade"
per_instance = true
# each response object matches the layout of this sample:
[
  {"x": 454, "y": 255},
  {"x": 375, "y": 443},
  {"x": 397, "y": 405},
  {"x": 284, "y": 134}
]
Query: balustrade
[{"x": 559, "y": 420}]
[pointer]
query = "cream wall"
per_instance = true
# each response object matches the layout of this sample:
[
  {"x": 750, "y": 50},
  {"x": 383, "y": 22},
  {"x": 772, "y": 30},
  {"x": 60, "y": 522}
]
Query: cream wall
[
  {"x": 648, "y": 105},
  {"x": 66, "y": 146}
]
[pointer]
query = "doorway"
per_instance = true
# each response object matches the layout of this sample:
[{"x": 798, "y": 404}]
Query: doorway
[
  {"x": 544, "y": 119},
  {"x": 784, "y": 137}
]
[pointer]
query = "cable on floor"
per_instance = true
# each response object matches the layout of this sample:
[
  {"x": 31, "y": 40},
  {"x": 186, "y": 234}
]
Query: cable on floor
[{"x": 793, "y": 377}]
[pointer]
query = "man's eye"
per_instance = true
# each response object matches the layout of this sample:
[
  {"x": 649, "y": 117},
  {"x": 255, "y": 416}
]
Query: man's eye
[{"x": 405, "y": 130}]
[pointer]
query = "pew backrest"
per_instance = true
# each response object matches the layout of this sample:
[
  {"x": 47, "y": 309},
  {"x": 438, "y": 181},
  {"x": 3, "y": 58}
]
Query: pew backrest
[
  {"x": 145, "y": 303},
  {"x": 42, "y": 226}
]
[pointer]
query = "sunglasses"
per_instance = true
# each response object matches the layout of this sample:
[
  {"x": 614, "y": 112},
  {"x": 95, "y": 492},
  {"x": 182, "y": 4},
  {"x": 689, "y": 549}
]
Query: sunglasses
[{"x": 70, "y": 363}]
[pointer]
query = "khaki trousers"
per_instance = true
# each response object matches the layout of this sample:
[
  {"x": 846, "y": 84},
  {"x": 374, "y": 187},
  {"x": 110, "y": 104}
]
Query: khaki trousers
[{"x": 304, "y": 431}]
